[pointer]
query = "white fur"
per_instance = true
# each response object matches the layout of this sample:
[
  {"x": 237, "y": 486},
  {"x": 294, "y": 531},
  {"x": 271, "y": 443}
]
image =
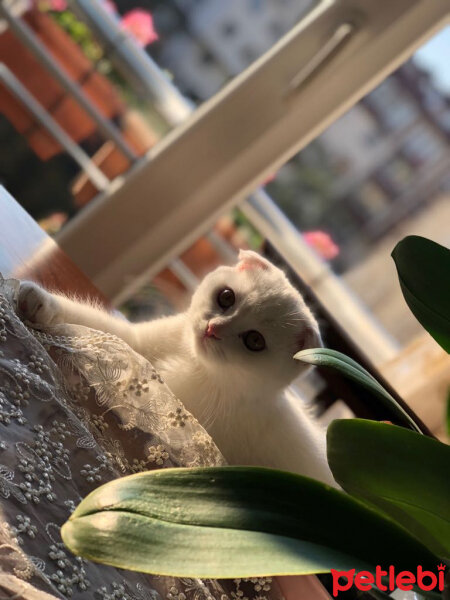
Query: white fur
[{"x": 242, "y": 398}]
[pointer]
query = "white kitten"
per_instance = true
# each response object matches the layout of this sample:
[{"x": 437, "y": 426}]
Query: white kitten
[{"x": 228, "y": 358}]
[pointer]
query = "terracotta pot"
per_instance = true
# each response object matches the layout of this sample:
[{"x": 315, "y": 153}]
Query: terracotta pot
[{"x": 47, "y": 91}]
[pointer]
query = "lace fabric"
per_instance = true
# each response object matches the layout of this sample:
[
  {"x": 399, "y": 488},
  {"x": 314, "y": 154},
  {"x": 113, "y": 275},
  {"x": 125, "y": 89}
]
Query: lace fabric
[{"x": 78, "y": 408}]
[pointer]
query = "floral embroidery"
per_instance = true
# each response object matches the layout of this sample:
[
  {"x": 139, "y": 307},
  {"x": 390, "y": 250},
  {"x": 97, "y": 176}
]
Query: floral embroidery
[
  {"x": 118, "y": 591},
  {"x": 205, "y": 448},
  {"x": 80, "y": 392},
  {"x": 138, "y": 466},
  {"x": 8, "y": 487},
  {"x": 66, "y": 582},
  {"x": 174, "y": 594},
  {"x": 178, "y": 418},
  {"x": 239, "y": 595},
  {"x": 23, "y": 526},
  {"x": 139, "y": 387},
  {"x": 4, "y": 319},
  {"x": 94, "y": 473},
  {"x": 156, "y": 376},
  {"x": 10, "y": 409},
  {"x": 157, "y": 454},
  {"x": 99, "y": 422},
  {"x": 261, "y": 583},
  {"x": 37, "y": 364},
  {"x": 57, "y": 445}
]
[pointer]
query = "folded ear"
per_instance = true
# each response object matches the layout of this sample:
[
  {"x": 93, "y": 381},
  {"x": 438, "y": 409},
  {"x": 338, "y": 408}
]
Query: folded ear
[{"x": 251, "y": 260}]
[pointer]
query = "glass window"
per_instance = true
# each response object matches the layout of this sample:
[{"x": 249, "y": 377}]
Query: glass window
[
  {"x": 424, "y": 145},
  {"x": 391, "y": 105},
  {"x": 255, "y": 26}
]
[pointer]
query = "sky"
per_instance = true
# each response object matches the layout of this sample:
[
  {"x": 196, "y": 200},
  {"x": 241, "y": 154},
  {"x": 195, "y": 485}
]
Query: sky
[{"x": 435, "y": 57}]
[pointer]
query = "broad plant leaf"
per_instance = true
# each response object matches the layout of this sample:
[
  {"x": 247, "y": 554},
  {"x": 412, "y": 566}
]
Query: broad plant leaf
[
  {"x": 404, "y": 474},
  {"x": 325, "y": 357},
  {"x": 423, "y": 269},
  {"x": 234, "y": 522}
]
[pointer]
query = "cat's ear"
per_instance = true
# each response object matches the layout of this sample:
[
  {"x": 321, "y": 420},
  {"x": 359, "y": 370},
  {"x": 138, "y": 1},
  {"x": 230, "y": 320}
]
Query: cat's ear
[
  {"x": 309, "y": 338},
  {"x": 251, "y": 260}
]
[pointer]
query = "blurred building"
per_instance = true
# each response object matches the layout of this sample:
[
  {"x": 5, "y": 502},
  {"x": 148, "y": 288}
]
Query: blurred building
[
  {"x": 391, "y": 157},
  {"x": 381, "y": 162},
  {"x": 206, "y": 42}
]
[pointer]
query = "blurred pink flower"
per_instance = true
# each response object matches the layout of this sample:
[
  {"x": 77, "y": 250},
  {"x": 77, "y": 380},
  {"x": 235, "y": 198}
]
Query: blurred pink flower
[
  {"x": 57, "y": 5},
  {"x": 270, "y": 178},
  {"x": 53, "y": 223},
  {"x": 139, "y": 23},
  {"x": 322, "y": 243}
]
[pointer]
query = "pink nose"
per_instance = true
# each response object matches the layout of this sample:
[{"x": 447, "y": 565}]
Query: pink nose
[{"x": 211, "y": 331}]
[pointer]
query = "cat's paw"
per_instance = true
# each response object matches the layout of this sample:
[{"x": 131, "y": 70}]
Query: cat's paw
[{"x": 37, "y": 305}]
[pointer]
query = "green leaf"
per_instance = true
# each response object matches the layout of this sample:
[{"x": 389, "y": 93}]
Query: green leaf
[
  {"x": 424, "y": 273},
  {"x": 325, "y": 357},
  {"x": 234, "y": 522},
  {"x": 399, "y": 471}
]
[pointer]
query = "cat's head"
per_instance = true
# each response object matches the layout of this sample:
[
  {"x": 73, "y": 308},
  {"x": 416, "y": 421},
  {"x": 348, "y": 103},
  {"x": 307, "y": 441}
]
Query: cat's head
[{"x": 250, "y": 317}]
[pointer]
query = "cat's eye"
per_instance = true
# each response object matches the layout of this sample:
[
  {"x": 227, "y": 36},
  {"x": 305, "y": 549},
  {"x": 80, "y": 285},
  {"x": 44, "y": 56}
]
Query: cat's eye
[
  {"x": 254, "y": 341},
  {"x": 226, "y": 298}
]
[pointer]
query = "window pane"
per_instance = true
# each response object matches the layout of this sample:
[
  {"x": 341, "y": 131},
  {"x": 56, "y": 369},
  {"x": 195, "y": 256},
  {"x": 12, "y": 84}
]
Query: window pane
[{"x": 206, "y": 43}]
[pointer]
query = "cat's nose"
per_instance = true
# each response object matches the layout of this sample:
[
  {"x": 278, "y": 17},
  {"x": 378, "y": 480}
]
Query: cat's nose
[{"x": 211, "y": 331}]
